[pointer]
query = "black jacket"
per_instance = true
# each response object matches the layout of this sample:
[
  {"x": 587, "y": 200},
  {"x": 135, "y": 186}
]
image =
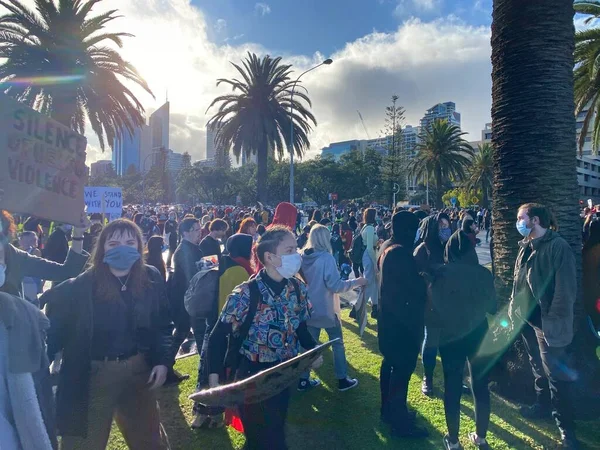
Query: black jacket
[
  {"x": 56, "y": 247},
  {"x": 70, "y": 310},
  {"x": 402, "y": 301},
  {"x": 460, "y": 249}
]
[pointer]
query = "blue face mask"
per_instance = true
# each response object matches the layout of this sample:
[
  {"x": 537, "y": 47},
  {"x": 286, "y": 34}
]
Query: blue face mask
[
  {"x": 522, "y": 228},
  {"x": 445, "y": 234},
  {"x": 122, "y": 257}
]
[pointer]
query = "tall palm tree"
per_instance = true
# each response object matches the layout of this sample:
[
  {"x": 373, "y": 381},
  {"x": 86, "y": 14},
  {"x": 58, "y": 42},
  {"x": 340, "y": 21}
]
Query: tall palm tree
[
  {"x": 587, "y": 73},
  {"x": 442, "y": 155},
  {"x": 533, "y": 135},
  {"x": 481, "y": 171},
  {"x": 257, "y": 119},
  {"x": 58, "y": 62}
]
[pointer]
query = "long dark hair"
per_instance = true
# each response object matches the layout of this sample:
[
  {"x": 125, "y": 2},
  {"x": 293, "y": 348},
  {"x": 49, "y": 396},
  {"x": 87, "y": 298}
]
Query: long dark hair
[
  {"x": 105, "y": 286},
  {"x": 369, "y": 216}
]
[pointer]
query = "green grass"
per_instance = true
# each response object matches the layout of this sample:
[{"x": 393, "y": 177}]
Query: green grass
[{"x": 327, "y": 419}]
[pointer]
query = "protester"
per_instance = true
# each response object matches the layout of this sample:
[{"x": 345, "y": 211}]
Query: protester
[
  {"x": 264, "y": 422},
  {"x": 172, "y": 235},
  {"x": 591, "y": 279},
  {"x": 320, "y": 272},
  {"x": 26, "y": 403},
  {"x": 337, "y": 246},
  {"x": 57, "y": 245},
  {"x": 543, "y": 298},
  {"x": 461, "y": 246},
  {"x": 235, "y": 268},
  {"x": 303, "y": 238},
  {"x": 400, "y": 324},
  {"x": 90, "y": 237},
  {"x": 185, "y": 258},
  {"x": 153, "y": 255},
  {"x": 434, "y": 232},
  {"x": 211, "y": 244},
  {"x": 248, "y": 226},
  {"x": 113, "y": 326},
  {"x": 17, "y": 264},
  {"x": 369, "y": 258},
  {"x": 32, "y": 287}
]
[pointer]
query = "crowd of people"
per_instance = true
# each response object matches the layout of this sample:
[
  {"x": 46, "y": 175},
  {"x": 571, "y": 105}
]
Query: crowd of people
[{"x": 251, "y": 288}]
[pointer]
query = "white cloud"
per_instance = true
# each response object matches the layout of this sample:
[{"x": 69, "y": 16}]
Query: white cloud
[
  {"x": 262, "y": 8},
  {"x": 407, "y": 8},
  {"x": 220, "y": 25},
  {"x": 423, "y": 63}
]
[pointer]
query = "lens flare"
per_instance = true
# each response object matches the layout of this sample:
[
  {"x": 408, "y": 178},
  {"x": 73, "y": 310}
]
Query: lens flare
[
  {"x": 43, "y": 81},
  {"x": 504, "y": 323}
]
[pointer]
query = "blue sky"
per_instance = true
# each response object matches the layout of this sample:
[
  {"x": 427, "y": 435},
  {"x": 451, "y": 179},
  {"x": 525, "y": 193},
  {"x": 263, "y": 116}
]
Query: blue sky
[{"x": 308, "y": 26}]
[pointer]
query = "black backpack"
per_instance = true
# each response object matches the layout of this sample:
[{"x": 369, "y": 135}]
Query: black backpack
[{"x": 358, "y": 248}]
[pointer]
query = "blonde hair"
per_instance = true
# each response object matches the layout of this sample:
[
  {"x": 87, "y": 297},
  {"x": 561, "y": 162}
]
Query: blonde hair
[{"x": 319, "y": 239}]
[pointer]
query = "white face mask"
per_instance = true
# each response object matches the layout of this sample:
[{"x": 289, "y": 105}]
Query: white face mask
[
  {"x": 290, "y": 265},
  {"x": 2, "y": 275}
]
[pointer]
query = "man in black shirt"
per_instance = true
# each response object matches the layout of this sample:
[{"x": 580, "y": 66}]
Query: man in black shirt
[
  {"x": 185, "y": 258},
  {"x": 211, "y": 244}
]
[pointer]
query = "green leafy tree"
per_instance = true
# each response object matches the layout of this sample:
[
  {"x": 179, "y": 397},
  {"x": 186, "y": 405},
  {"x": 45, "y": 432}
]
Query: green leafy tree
[
  {"x": 442, "y": 155},
  {"x": 57, "y": 60},
  {"x": 255, "y": 118},
  {"x": 587, "y": 75},
  {"x": 481, "y": 172}
]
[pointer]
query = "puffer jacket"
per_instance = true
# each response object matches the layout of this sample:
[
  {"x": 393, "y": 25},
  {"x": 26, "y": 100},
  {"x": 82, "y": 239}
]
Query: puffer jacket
[{"x": 552, "y": 278}]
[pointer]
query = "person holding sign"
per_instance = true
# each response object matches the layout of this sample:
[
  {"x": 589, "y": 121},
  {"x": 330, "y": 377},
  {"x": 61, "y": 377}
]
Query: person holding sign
[{"x": 17, "y": 264}]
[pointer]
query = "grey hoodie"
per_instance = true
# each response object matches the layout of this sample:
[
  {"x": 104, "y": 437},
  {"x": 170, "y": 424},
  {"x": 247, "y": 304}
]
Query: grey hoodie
[{"x": 323, "y": 279}]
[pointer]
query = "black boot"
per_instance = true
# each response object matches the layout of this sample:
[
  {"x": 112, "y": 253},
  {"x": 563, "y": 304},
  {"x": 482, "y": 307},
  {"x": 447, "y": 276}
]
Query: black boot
[{"x": 408, "y": 428}]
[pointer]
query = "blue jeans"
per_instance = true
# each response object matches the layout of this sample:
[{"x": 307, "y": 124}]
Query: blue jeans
[
  {"x": 339, "y": 353},
  {"x": 430, "y": 350}
]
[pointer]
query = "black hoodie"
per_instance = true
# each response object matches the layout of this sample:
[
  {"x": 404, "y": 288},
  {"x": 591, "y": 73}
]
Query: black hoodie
[
  {"x": 403, "y": 290},
  {"x": 430, "y": 253}
]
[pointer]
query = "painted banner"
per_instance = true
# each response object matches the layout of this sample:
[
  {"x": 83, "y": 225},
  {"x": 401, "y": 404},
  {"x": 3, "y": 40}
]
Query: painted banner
[
  {"x": 42, "y": 164},
  {"x": 263, "y": 385},
  {"x": 111, "y": 196}
]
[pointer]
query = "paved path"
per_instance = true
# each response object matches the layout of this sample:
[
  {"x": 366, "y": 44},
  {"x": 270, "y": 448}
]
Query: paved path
[{"x": 483, "y": 251}]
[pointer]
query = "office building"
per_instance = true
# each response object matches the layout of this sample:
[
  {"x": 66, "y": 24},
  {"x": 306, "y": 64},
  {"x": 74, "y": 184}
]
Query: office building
[
  {"x": 100, "y": 168},
  {"x": 159, "y": 131},
  {"x": 211, "y": 145},
  {"x": 175, "y": 161},
  {"x": 588, "y": 164},
  {"x": 444, "y": 111},
  {"x": 337, "y": 149}
]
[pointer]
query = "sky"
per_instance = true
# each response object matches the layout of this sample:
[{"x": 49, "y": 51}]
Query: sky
[{"x": 424, "y": 51}]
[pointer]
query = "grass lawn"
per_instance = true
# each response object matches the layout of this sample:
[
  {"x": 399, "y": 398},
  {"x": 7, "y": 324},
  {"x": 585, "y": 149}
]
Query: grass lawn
[{"x": 327, "y": 419}]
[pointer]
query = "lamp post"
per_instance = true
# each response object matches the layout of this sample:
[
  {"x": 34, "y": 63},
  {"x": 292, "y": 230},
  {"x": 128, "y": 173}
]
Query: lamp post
[{"x": 326, "y": 62}]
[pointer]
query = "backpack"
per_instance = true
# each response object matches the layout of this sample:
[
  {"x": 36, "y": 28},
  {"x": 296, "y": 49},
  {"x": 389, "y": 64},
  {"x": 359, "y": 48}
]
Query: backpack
[
  {"x": 233, "y": 357},
  {"x": 358, "y": 248},
  {"x": 202, "y": 296}
]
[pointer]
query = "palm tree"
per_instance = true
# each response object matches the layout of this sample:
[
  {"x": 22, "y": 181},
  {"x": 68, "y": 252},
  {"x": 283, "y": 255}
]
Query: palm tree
[
  {"x": 587, "y": 73},
  {"x": 257, "y": 120},
  {"x": 58, "y": 62},
  {"x": 442, "y": 154},
  {"x": 481, "y": 171}
]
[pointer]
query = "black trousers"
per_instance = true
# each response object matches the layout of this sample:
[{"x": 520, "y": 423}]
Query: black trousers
[
  {"x": 358, "y": 269},
  {"x": 553, "y": 376},
  {"x": 202, "y": 328},
  {"x": 454, "y": 355},
  {"x": 182, "y": 322},
  {"x": 396, "y": 369},
  {"x": 264, "y": 422}
]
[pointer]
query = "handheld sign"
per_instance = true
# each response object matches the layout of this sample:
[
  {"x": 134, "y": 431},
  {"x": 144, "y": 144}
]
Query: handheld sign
[
  {"x": 42, "y": 164},
  {"x": 263, "y": 385},
  {"x": 107, "y": 200}
]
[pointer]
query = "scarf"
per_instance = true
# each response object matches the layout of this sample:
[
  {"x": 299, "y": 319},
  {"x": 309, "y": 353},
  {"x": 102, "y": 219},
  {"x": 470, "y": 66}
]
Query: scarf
[{"x": 245, "y": 263}]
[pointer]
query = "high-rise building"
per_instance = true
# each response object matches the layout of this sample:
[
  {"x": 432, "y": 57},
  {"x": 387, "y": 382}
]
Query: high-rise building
[
  {"x": 100, "y": 168},
  {"x": 445, "y": 111},
  {"x": 159, "y": 129},
  {"x": 211, "y": 145},
  {"x": 175, "y": 161},
  {"x": 486, "y": 134},
  {"x": 410, "y": 139}
]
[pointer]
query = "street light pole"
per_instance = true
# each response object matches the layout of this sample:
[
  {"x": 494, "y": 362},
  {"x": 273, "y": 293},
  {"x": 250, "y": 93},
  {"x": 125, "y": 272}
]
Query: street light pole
[{"x": 291, "y": 147}]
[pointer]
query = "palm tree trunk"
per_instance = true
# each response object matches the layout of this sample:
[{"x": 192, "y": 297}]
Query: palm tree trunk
[
  {"x": 261, "y": 175},
  {"x": 533, "y": 123},
  {"x": 484, "y": 190},
  {"x": 439, "y": 190}
]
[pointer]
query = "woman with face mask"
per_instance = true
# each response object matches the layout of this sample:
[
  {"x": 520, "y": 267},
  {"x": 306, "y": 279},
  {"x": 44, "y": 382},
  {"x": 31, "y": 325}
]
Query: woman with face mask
[
  {"x": 435, "y": 232},
  {"x": 283, "y": 309},
  {"x": 112, "y": 324}
]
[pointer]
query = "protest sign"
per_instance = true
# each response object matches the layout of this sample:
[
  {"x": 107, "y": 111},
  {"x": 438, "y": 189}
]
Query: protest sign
[
  {"x": 42, "y": 164},
  {"x": 263, "y": 385},
  {"x": 111, "y": 196}
]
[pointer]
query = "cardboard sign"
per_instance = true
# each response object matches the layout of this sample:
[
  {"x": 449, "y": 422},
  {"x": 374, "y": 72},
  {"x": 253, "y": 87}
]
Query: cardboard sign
[
  {"x": 112, "y": 197},
  {"x": 263, "y": 385},
  {"x": 42, "y": 164}
]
